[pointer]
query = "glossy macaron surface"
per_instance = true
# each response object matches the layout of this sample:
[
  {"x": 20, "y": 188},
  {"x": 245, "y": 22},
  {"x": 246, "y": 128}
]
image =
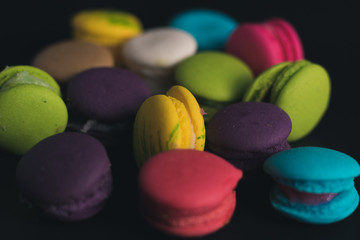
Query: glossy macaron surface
[
  {"x": 107, "y": 94},
  {"x": 210, "y": 28},
  {"x": 66, "y": 175}
]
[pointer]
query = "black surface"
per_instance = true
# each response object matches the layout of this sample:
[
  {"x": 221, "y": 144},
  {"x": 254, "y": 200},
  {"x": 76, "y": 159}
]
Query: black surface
[{"x": 329, "y": 34}]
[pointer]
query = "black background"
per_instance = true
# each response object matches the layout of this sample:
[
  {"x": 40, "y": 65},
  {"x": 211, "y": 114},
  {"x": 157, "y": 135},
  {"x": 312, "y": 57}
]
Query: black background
[{"x": 329, "y": 32}]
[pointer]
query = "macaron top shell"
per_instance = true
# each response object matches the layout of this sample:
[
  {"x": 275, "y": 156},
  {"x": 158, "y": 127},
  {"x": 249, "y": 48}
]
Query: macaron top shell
[
  {"x": 188, "y": 179},
  {"x": 249, "y": 126},
  {"x": 214, "y": 76},
  {"x": 106, "y": 22},
  {"x": 23, "y": 74},
  {"x": 312, "y": 163},
  {"x": 63, "y": 168},
  {"x": 64, "y": 59},
  {"x": 210, "y": 28},
  {"x": 159, "y": 48},
  {"x": 107, "y": 94}
]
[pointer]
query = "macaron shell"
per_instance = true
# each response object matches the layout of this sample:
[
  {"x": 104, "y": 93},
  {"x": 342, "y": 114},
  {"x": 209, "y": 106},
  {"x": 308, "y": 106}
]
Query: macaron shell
[
  {"x": 295, "y": 49},
  {"x": 201, "y": 179},
  {"x": 214, "y": 76},
  {"x": 340, "y": 207},
  {"x": 312, "y": 164},
  {"x": 10, "y": 72},
  {"x": 210, "y": 28},
  {"x": 193, "y": 110},
  {"x": 262, "y": 85},
  {"x": 305, "y": 98},
  {"x": 256, "y": 46},
  {"x": 63, "y": 60},
  {"x": 29, "y": 114},
  {"x": 107, "y": 23},
  {"x": 159, "y": 126}
]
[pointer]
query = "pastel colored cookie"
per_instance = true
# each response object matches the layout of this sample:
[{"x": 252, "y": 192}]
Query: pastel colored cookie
[
  {"x": 300, "y": 88},
  {"x": 31, "y": 108},
  {"x": 188, "y": 193},
  {"x": 210, "y": 28},
  {"x": 155, "y": 53},
  {"x": 66, "y": 176},
  {"x": 65, "y": 59},
  {"x": 262, "y": 45},
  {"x": 314, "y": 184},
  {"x": 105, "y": 27},
  {"x": 104, "y": 101},
  {"x": 166, "y": 122},
  {"x": 216, "y": 79},
  {"x": 246, "y": 134}
]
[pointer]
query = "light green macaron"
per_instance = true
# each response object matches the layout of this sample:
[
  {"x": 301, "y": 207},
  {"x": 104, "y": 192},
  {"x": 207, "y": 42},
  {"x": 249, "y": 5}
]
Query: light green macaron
[
  {"x": 31, "y": 108},
  {"x": 215, "y": 78},
  {"x": 301, "y": 89}
]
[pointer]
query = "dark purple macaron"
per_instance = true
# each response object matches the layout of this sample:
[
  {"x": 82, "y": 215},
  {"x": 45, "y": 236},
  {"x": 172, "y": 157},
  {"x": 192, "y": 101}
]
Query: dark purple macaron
[
  {"x": 104, "y": 101},
  {"x": 247, "y": 133},
  {"x": 67, "y": 176}
]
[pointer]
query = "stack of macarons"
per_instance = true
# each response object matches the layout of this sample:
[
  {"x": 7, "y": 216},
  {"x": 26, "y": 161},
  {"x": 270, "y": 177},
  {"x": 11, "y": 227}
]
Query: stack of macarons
[{"x": 157, "y": 92}]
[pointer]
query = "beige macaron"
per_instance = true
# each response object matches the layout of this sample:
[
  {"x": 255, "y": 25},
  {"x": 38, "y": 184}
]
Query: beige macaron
[{"x": 65, "y": 59}]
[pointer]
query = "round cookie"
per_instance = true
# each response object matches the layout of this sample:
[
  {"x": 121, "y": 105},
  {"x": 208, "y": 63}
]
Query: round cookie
[
  {"x": 30, "y": 108},
  {"x": 155, "y": 53},
  {"x": 106, "y": 27},
  {"x": 210, "y": 28},
  {"x": 215, "y": 78},
  {"x": 65, "y": 59},
  {"x": 66, "y": 176}
]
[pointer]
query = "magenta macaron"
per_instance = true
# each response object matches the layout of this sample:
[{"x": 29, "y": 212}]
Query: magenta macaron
[{"x": 265, "y": 44}]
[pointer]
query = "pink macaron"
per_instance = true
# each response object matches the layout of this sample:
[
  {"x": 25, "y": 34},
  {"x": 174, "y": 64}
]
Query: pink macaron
[
  {"x": 265, "y": 44},
  {"x": 188, "y": 193}
]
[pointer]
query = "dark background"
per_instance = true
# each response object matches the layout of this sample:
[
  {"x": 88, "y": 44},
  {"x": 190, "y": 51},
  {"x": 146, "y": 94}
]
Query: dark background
[{"x": 329, "y": 32}]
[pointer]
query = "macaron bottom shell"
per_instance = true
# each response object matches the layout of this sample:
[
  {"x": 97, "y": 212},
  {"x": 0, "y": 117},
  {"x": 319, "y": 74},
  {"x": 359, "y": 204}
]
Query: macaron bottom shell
[{"x": 340, "y": 207}]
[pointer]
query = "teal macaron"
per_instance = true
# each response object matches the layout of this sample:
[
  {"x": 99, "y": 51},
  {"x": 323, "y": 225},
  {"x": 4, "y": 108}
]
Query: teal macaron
[
  {"x": 314, "y": 184},
  {"x": 31, "y": 108},
  {"x": 301, "y": 88},
  {"x": 215, "y": 78}
]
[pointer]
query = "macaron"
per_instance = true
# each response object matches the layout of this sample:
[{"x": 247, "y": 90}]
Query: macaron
[
  {"x": 314, "y": 184},
  {"x": 216, "y": 79},
  {"x": 210, "y": 28},
  {"x": 262, "y": 45},
  {"x": 110, "y": 28},
  {"x": 188, "y": 193},
  {"x": 65, "y": 59},
  {"x": 166, "y": 122},
  {"x": 31, "y": 108},
  {"x": 301, "y": 88},
  {"x": 66, "y": 176},
  {"x": 103, "y": 102},
  {"x": 155, "y": 53},
  {"x": 247, "y": 133}
]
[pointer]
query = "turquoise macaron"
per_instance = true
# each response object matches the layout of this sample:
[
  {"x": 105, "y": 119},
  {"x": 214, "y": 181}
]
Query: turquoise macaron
[
  {"x": 210, "y": 28},
  {"x": 314, "y": 184}
]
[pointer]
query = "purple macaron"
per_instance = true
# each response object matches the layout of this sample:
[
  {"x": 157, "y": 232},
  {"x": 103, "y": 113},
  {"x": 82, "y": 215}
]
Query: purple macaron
[
  {"x": 247, "y": 133},
  {"x": 104, "y": 101},
  {"x": 67, "y": 176}
]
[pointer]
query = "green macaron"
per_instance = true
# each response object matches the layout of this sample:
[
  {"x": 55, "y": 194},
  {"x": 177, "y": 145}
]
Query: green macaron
[
  {"x": 31, "y": 108},
  {"x": 215, "y": 78},
  {"x": 301, "y": 89}
]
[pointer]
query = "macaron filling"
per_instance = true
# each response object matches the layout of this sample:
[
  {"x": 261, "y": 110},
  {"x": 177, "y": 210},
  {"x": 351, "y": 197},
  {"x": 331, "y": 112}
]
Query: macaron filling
[
  {"x": 24, "y": 77},
  {"x": 307, "y": 198}
]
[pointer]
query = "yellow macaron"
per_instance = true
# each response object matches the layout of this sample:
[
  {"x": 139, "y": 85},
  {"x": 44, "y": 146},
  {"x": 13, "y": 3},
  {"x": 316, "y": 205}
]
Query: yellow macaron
[
  {"x": 109, "y": 28},
  {"x": 166, "y": 122}
]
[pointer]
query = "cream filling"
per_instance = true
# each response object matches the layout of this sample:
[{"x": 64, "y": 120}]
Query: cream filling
[{"x": 22, "y": 78}]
